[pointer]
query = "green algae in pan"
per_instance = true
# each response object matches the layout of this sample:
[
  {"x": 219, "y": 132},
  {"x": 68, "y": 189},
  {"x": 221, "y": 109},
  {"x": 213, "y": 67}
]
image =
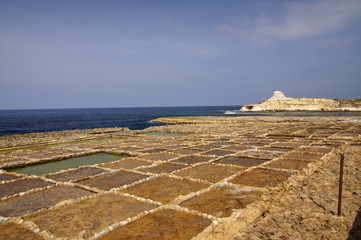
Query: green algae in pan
[{"x": 75, "y": 162}]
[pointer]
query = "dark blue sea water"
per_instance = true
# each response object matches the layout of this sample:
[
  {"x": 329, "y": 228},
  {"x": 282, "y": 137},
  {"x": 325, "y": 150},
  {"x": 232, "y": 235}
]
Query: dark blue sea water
[{"x": 46, "y": 120}]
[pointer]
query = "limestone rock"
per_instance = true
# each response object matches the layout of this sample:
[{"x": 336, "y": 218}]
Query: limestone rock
[
  {"x": 279, "y": 96},
  {"x": 279, "y": 102}
]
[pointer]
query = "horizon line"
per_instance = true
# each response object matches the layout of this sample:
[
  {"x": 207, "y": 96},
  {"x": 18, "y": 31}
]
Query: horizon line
[{"x": 70, "y": 108}]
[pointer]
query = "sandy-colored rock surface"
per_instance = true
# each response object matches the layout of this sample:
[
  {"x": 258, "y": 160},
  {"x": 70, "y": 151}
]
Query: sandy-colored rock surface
[
  {"x": 309, "y": 209},
  {"x": 14, "y": 231},
  {"x": 279, "y": 102},
  {"x": 162, "y": 225},
  {"x": 199, "y": 177},
  {"x": 46, "y": 138}
]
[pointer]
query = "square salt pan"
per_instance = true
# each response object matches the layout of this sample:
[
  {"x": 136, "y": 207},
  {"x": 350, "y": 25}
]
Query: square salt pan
[
  {"x": 92, "y": 215},
  {"x": 260, "y": 177},
  {"x": 218, "y": 152},
  {"x": 163, "y": 168},
  {"x": 113, "y": 180},
  {"x": 187, "y": 151},
  {"x": 128, "y": 163},
  {"x": 222, "y": 201},
  {"x": 14, "y": 231},
  {"x": 164, "y": 224},
  {"x": 22, "y": 185},
  {"x": 288, "y": 164},
  {"x": 241, "y": 161},
  {"x": 159, "y": 156},
  {"x": 76, "y": 174},
  {"x": 262, "y": 154},
  {"x": 303, "y": 156},
  {"x": 7, "y": 177},
  {"x": 44, "y": 199},
  {"x": 193, "y": 159},
  {"x": 209, "y": 172},
  {"x": 165, "y": 189}
]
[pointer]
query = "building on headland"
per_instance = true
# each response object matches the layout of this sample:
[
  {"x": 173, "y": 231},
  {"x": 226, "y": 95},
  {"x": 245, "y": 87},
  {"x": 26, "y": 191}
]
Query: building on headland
[{"x": 279, "y": 102}]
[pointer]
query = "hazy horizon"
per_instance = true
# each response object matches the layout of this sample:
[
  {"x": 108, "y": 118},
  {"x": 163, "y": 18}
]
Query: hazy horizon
[
  {"x": 74, "y": 108},
  {"x": 110, "y": 54}
]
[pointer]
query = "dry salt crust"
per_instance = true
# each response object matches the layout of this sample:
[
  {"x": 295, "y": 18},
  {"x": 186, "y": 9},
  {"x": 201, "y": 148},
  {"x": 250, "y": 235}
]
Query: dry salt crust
[{"x": 218, "y": 181}]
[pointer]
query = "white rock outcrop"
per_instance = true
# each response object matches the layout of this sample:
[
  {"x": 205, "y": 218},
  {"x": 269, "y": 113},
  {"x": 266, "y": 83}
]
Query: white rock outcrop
[
  {"x": 279, "y": 102},
  {"x": 279, "y": 96}
]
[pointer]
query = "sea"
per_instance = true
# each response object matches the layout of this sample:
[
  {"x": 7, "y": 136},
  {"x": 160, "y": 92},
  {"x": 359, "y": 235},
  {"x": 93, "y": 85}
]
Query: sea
[{"x": 137, "y": 118}]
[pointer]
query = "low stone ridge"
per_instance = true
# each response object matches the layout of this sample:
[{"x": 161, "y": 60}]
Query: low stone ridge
[{"x": 279, "y": 102}]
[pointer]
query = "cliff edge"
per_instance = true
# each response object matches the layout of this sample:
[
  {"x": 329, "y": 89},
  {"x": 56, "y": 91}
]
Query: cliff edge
[{"x": 279, "y": 102}]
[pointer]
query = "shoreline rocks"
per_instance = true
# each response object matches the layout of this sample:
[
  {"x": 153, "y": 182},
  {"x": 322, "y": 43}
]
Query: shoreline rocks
[{"x": 57, "y": 137}]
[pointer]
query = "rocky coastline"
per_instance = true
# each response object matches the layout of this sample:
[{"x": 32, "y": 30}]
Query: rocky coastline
[
  {"x": 280, "y": 103},
  {"x": 243, "y": 177}
]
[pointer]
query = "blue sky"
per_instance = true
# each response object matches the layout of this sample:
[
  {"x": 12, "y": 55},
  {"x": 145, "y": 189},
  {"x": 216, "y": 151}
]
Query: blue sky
[{"x": 72, "y": 53}]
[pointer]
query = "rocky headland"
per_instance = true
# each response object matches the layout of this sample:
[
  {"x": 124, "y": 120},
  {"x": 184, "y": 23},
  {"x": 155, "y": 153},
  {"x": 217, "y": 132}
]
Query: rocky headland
[{"x": 279, "y": 102}]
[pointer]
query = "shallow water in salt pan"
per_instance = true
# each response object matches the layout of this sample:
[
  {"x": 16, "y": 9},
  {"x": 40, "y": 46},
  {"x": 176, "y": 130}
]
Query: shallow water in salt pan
[{"x": 74, "y": 162}]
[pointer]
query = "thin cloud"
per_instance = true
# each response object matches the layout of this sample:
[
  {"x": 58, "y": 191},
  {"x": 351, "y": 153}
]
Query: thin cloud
[
  {"x": 307, "y": 19},
  {"x": 337, "y": 43}
]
